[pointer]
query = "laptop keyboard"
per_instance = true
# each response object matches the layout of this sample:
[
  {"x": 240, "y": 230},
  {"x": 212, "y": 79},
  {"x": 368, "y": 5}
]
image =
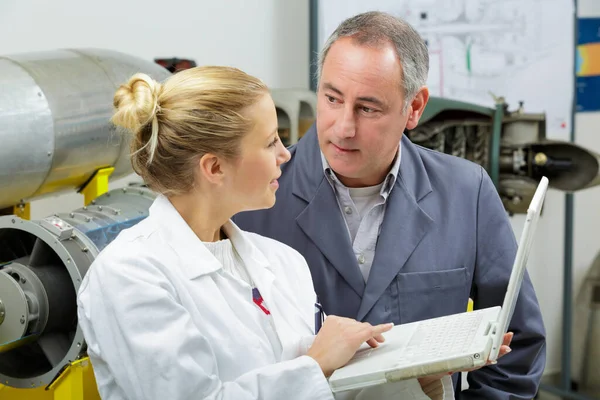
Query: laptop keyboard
[{"x": 442, "y": 337}]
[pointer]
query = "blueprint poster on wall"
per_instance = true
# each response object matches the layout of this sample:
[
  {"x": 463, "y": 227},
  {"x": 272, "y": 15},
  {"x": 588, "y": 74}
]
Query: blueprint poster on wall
[
  {"x": 587, "y": 65},
  {"x": 520, "y": 50}
]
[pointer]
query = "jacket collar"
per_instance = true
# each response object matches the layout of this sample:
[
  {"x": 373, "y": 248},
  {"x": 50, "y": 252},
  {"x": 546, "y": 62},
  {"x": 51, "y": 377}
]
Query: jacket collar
[
  {"x": 387, "y": 184},
  {"x": 195, "y": 259}
]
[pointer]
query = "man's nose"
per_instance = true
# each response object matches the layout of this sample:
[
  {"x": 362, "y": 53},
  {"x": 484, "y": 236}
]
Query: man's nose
[{"x": 346, "y": 123}]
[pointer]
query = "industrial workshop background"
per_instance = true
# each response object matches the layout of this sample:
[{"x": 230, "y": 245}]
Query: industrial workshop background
[{"x": 63, "y": 206}]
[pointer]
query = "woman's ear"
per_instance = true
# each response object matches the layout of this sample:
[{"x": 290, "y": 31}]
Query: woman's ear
[{"x": 211, "y": 168}]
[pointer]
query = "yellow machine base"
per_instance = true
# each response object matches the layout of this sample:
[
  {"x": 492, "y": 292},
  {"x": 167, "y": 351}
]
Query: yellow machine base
[
  {"x": 77, "y": 382},
  {"x": 97, "y": 186}
]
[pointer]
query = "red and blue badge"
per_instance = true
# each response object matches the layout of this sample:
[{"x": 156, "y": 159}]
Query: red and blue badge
[{"x": 259, "y": 301}]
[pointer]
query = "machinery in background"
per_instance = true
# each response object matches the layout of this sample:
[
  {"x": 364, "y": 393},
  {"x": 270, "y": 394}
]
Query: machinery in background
[
  {"x": 55, "y": 130},
  {"x": 175, "y": 64},
  {"x": 43, "y": 264},
  {"x": 511, "y": 146},
  {"x": 296, "y": 112}
]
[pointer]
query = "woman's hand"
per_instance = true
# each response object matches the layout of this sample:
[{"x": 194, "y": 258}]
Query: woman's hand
[{"x": 339, "y": 339}]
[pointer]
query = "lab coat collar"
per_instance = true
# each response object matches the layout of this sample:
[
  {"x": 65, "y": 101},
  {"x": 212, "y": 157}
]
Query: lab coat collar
[{"x": 195, "y": 259}]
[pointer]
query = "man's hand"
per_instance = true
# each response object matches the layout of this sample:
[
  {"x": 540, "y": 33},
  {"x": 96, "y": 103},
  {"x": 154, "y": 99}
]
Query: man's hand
[{"x": 504, "y": 350}]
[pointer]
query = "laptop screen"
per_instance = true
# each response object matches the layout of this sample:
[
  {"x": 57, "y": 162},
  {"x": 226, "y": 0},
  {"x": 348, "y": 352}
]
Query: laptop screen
[{"x": 520, "y": 264}]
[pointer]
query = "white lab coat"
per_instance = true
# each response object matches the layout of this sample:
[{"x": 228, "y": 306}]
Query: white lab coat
[{"x": 163, "y": 320}]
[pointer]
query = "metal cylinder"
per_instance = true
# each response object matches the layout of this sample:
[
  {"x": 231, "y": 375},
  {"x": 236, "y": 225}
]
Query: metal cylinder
[
  {"x": 55, "y": 110},
  {"x": 570, "y": 167},
  {"x": 42, "y": 264}
]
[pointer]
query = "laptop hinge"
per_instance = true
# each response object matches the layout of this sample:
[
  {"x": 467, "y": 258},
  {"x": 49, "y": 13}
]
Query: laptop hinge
[{"x": 496, "y": 341}]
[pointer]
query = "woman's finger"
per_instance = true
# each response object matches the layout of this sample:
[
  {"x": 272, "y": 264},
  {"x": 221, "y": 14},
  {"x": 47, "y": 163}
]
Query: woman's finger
[
  {"x": 379, "y": 338},
  {"x": 379, "y": 329}
]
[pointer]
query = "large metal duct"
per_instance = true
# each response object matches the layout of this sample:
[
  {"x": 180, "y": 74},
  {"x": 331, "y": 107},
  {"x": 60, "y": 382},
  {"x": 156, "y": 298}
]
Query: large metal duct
[
  {"x": 42, "y": 264},
  {"x": 55, "y": 109}
]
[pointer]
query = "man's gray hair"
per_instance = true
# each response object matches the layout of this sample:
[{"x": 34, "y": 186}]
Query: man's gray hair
[{"x": 376, "y": 28}]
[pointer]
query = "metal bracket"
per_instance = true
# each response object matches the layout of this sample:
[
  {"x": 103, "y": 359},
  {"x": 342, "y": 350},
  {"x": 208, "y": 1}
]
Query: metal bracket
[{"x": 57, "y": 227}]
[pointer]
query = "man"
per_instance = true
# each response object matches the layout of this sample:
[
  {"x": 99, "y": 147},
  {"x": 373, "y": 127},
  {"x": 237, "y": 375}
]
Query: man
[{"x": 393, "y": 231}]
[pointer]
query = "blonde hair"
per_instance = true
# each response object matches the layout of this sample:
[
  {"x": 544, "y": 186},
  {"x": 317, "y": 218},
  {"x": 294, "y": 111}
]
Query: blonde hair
[{"x": 194, "y": 112}]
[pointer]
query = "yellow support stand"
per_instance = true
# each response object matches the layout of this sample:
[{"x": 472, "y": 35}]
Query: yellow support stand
[
  {"x": 97, "y": 186},
  {"x": 22, "y": 210},
  {"x": 77, "y": 382}
]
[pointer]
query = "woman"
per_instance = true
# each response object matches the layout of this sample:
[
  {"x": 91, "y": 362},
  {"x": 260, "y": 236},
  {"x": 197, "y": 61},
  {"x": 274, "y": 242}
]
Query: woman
[{"x": 184, "y": 305}]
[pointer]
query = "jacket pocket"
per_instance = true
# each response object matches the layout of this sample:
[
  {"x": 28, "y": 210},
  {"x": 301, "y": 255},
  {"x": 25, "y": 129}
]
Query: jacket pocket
[{"x": 432, "y": 294}]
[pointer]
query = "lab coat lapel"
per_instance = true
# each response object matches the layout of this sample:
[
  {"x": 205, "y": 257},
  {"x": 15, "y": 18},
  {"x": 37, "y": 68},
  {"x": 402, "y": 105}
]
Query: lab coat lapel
[
  {"x": 256, "y": 263},
  {"x": 322, "y": 220},
  {"x": 404, "y": 226},
  {"x": 279, "y": 299}
]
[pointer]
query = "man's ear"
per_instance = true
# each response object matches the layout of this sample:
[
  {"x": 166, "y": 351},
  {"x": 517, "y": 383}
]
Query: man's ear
[
  {"x": 211, "y": 168},
  {"x": 416, "y": 108}
]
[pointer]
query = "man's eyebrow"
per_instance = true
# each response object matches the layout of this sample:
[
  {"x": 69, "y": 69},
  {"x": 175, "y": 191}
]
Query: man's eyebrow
[
  {"x": 365, "y": 99},
  {"x": 372, "y": 100},
  {"x": 329, "y": 86}
]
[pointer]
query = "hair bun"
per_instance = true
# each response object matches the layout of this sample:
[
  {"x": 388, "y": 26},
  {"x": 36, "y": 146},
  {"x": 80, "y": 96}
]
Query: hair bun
[{"x": 136, "y": 102}]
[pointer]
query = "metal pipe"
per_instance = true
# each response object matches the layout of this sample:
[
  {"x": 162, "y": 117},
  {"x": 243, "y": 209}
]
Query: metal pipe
[
  {"x": 494, "y": 166},
  {"x": 567, "y": 324},
  {"x": 55, "y": 108}
]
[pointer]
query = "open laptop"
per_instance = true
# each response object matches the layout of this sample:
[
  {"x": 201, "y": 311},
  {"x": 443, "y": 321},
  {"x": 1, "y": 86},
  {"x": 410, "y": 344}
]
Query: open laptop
[{"x": 450, "y": 343}]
